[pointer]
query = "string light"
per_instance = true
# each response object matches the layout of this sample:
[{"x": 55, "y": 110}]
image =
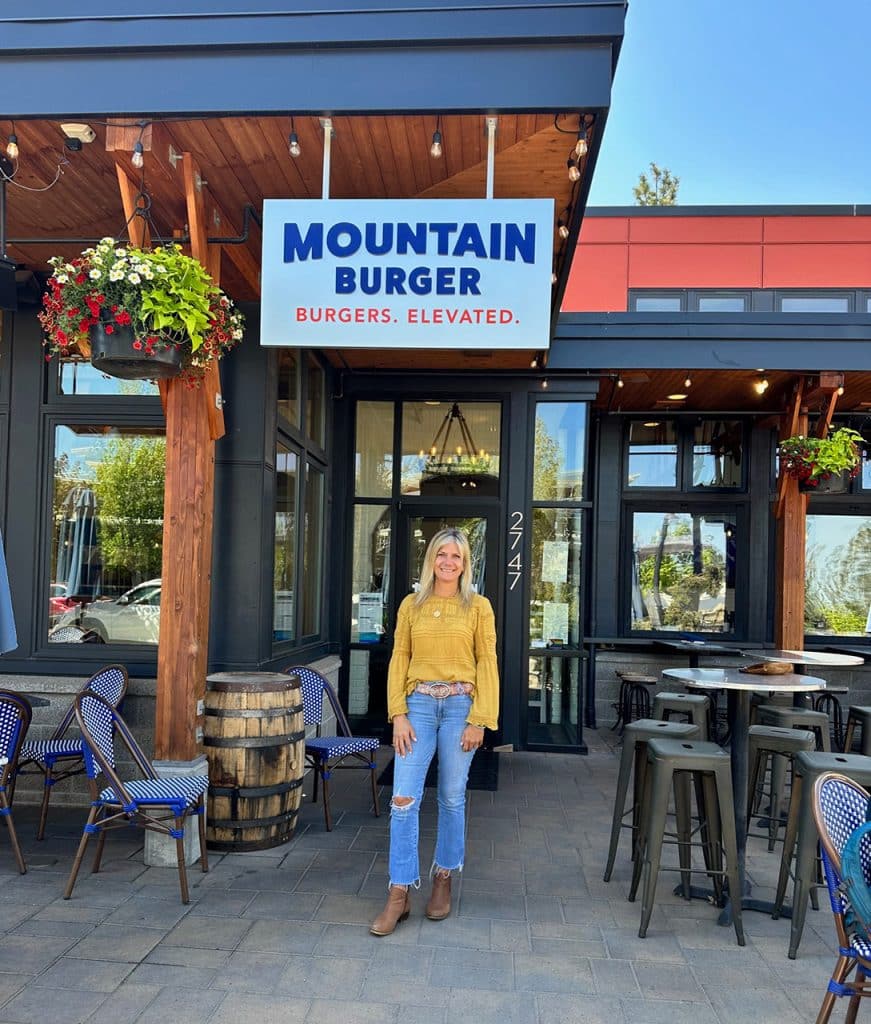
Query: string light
[
  {"x": 620, "y": 382},
  {"x": 293, "y": 141},
  {"x": 574, "y": 170},
  {"x": 12, "y": 144},
  {"x": 581, "y": 145},
  {"x": 562, "y": 228},
  {"x": 760, "y": 386},
  {"x": 435, "y": 150},
  {"x": 688, "y": 383},
  {"x": 137, "y": 159}
]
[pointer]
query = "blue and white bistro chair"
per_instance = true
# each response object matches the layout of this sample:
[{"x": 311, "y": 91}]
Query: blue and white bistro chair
[
  {"x": 839, "y": 807},
  {"x": 14, "y": 722},
  {"x": 156, "y": 805},
  {"x": 61, "y": 756},
  {"x": 324, "y": 754}
]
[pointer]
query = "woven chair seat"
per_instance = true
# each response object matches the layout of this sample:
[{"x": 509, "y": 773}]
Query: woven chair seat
[
  {"x": 184, "y": 792},
  {"x": 338, "y": 746},
  {"x": 40, "y": 750}
]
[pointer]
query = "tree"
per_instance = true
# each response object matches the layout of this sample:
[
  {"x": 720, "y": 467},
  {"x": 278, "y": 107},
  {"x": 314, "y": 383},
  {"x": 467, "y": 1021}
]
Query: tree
[{"x": 663, "y": 192}]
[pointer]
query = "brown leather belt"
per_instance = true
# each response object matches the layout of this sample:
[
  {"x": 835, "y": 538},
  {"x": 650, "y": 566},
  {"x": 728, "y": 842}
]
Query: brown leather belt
[{"x": 443, "y": 689}]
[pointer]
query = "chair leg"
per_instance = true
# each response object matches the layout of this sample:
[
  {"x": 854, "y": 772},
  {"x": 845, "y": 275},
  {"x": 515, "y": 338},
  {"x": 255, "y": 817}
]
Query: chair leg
[
  {"x": 657, "y": 809},
  {"x": 778, "y": 784},
  {"x": 683, "y": 817},
  {"x": 325, "y": 787},
  {"x": 315, "y": 774},
  {"x": 201, "y": 824},
  {"x": 374, "y": 791},
  {"x": 629, "y": 753},
  {"x": 853, "y": 1005},
  {"x": 46, "y": 793},
  {"x": 840, "y": 972},
  {"x": 730, "y": 848},
  {"x": 789, "y": 840},
  {"x": 80, "y": 853},
  {"x": 6, "y": 811},
  {"x": 98, "y": 856},
  {"x": 848, "y": 734},
  {"x": 179, "y": 852}
]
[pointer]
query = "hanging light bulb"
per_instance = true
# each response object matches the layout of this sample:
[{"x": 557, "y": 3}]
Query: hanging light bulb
[
  {"x": 137, "y": 159},
  {"x": 553, "y": 278},
  {"x": 435, "y": 150},
  {"x": 688, "y": 382},
  {"x": 574, "y": 170},
  {"x": 562, "y": 228},
  {"x": 293, "y": 145},
  {"x": 760, "y": 386},
  {"x": 544, "y": 383},
  {"x": 12, "y": 145},
  {"x": 620, "y": 382},
  {"x": 581, "y": 145}
]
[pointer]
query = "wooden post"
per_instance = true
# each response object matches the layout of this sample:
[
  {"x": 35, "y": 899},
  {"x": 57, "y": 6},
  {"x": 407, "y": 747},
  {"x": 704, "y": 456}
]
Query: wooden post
[{"x": 193, "y": 420}]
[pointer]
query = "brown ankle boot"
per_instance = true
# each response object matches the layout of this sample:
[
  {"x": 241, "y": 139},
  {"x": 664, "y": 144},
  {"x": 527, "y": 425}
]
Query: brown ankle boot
[
  {"x": 439, "y": 906},
  {"x": 396, "y": 909}
]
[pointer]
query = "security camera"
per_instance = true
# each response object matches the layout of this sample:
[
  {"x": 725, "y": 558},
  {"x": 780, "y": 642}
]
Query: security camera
[{"x": 82, "y": 132}]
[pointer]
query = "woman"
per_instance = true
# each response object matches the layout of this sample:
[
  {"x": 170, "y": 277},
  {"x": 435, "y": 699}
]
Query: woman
[{"x": 442, "y": 693}]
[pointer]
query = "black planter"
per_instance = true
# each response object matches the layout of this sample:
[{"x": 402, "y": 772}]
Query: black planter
[
  {"x": 115, "y": 355},
  {"x": 837, "y": 483}
]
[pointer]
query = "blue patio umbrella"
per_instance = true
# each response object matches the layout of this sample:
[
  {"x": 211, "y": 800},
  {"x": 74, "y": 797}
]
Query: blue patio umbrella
[
  {"x": 79, "y": 558},
  {"x": 8, "y": 636}
]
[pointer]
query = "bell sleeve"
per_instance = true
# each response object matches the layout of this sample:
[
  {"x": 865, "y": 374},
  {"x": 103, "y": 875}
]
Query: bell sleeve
[
  {"x": 397, "y": 672},
  {"x": 485, "y": 705}
]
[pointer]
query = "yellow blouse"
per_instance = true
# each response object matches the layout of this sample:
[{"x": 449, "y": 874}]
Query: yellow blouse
[{"x": 442, "y": 641}]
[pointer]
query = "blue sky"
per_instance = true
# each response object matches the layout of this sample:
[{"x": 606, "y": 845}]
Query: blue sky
[{"x": 750, "y": 101}]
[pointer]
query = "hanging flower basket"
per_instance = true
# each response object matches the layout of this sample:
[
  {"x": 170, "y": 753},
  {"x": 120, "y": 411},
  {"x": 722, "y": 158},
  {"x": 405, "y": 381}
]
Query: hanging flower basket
[
  {"x": 138, "y": 314},
  {"x": 116, "y": 351},
  {"x": 823, "y": 465}
]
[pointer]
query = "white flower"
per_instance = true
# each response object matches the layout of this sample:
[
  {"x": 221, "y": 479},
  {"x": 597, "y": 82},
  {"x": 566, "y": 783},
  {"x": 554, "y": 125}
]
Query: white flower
[
  {"x": 94, "y": 275},
  {"x": 134, "y": 278},
  {"x": 237, "y": 335},
  {"x": 116, "y": 275},
  {"x": 61, "y": 278},
  {"x": 120, "y": 252},
  {"x": 160, "y": 268},
  {"x": 108, "y": 240}
]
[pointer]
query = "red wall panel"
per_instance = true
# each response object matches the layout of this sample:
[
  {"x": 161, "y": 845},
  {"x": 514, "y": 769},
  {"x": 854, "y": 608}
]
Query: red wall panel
[
  {"x": 818, "y": 266},
  {"x": 604, "y": 229},
  {"x": 817, "y": 229},
  {"x": 695, "y": 266},
  {"x": 597, "y": 283},
  {"x": 697, "y": 230}
]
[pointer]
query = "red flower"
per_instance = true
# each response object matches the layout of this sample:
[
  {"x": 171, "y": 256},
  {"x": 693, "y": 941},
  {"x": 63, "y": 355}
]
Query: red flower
[{"x": 137, "y": 344}]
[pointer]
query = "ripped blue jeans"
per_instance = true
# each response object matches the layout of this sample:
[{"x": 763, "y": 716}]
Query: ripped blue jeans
[{"x": 438, "y": 723}]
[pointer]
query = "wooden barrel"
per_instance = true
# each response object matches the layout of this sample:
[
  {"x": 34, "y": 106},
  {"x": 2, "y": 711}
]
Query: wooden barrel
[{"x": 255, "y": 742}]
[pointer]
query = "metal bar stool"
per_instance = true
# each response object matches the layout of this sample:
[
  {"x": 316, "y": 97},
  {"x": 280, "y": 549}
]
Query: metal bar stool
[
  {"x": 694, "y": 706},
  {"x": 860, "y": 716},
  {"x": 710, "y": 768},
  {"x": 801, "y": 833},
  {"x": 633, "y": 698},
  {"x": 797, "y": 718},
  {"x": 781, "y": 745},
  {"x": 827, "y": 701},
  {"x": 634, "y": 755}
]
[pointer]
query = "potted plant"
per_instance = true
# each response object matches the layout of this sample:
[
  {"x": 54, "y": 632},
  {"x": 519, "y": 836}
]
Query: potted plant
[
  {"x": 823, "y": 464},
  {"x": 137, "y": 313}
]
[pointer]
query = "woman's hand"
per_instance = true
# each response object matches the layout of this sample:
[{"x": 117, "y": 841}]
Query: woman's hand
[
  {"x": 472, "y": 738},
  {"x": 403, "y": 735}
]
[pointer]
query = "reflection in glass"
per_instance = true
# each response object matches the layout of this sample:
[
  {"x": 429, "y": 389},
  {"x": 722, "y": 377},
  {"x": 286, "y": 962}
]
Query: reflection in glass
[
  {"x": 652, "y": 454},
  {"x": 683, "y": 571},
  {"x": 717, "y": 450},
  {"x": 284, "y": 566},
  {"x": 554, "y": 699},
  {"x": 722, "y": 303},
  {"x": 555, "y": 578},
  {"x": 315, "y": 416},
  {"x": 373, "y": 452},
  {"x": 78, "y": 377},
  {"x": 450, "y": 449},
  {"x": 560, "y": 444},
  {"x": 288, "y": 385},
  {"x": 838, "y": 575},
  {"x": 107, "y": 530},
  {"x": 370, "y": 573},
  {"x": 312, "y": 552}
]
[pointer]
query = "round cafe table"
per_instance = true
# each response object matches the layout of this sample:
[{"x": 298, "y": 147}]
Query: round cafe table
[{"x": 738, "y": 686}]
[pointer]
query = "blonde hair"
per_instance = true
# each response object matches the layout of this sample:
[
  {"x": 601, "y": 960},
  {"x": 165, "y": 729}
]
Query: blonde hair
[{"x": 427, "y": 570}]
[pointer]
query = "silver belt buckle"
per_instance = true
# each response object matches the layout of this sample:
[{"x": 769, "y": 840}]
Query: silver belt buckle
[{"x": 440, "y": 689}]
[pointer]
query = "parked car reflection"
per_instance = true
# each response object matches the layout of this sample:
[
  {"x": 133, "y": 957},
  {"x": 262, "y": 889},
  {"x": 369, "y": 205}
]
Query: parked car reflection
[
  {"x": 58, "y": 602},
  {"x": 134, "y": 617}
]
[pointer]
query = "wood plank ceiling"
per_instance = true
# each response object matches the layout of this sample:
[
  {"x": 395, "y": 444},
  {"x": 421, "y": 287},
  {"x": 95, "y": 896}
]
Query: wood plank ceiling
[{"x": 246, "y": 159}]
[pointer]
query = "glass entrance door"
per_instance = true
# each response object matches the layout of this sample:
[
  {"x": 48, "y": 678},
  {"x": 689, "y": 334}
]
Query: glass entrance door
[{"x": 418, "y": 527}]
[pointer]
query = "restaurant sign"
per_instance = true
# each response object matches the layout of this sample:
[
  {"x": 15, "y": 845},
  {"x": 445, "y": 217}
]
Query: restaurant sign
[{"x": 407, "y": 273}]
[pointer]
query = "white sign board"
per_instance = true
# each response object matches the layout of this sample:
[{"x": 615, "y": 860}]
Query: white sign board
[{"x": 407, "y": 273}]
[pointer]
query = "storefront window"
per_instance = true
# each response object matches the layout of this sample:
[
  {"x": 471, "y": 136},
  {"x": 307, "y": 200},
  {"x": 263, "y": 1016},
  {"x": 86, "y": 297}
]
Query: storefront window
[
  {"x": 286, "y": 463},
  {"x": 838, "y": 575},
  {"x": 312, "y": 552},
  {"x": 560, "y": 444},
  {"x": 78, "y": 377},
  {"x": 717, "y": 453},
  {"x": 107, "y": 531},
  {"x": 370, "y": 573},
  {"x": 373, "y": 457},
  {"x": 288, "y": 385},
  {"x": 450, "y": 449},
  {"x": 555, "y": 580},
  {"x": 315, "y": 402},
  {"x": 683, "y": 571},
  {"x": 652, "y": 454}
]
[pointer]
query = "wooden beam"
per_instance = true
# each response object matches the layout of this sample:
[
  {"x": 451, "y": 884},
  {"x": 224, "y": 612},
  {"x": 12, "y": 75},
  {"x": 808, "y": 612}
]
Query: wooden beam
[
  {"x": 791, "y": 513},
  {"x": 182, "y": 661},
  {"x": 137, "y": 227}
]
